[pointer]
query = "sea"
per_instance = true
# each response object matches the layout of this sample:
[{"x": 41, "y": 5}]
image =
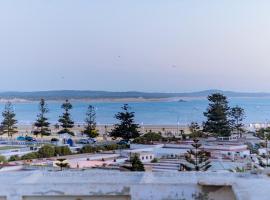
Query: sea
[{"x": 257, "y": 110}]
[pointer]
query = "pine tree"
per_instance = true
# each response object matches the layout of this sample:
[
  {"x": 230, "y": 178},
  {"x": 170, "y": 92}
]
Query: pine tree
[
  {"x": 198, "y": 160},
  {"x": 195, "y": 130},
  {"x": 237, "y": 115},
  {"x": 217, "y": 115},
  {"x": 9, "y": 122},
  {"x": 136, "y": 164},
  {"x": 126, "y": 128},
  {"x": 65, "y": 120},
  {"x": 42, "y": 123},
  {"x": 90, "y": 120}
]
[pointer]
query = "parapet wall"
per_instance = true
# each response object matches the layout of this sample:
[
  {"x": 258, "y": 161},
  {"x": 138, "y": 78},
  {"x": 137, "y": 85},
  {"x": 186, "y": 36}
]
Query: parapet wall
[{"x": 112, "y": 185}]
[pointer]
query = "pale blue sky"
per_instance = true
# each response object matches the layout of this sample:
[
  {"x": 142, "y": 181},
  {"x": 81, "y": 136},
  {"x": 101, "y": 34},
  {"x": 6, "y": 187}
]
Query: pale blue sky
[{"x": 146, "y": 45}]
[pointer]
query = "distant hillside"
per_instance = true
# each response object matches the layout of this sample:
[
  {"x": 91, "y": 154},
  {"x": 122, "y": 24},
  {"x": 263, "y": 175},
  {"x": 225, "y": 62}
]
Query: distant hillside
[{"x": 76, "y": 94}]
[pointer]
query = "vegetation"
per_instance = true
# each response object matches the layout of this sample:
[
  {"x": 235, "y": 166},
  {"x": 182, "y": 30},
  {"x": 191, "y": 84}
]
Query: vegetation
[
  {"x": 136, "y": 164},
  {"x": 148, "y": 138},
  {"x": 65, "y": 120},
  {"x": 217, "y": 115},
  {"x": 109, "y": 147},
  {"x": 263, "y": 133},
  {"x": 126, "y": 128},
  {"x": 90, "y": 120},
  {"x": 62, "y": 151},
  {"x": 46, "y": 151},
  {"x": 197, "y": 160},
  {"x": 237, "y": 116},
  {"x": 42, "y": 123},
  {"x": 30, "y": 156},
  {"x": 14, "y": 158},
  {"x": 3, "y": 159},
  {"x": 61, "y": 162},
  {"x": 195, "y": 130},
  {"x": 9, "y": 122}
]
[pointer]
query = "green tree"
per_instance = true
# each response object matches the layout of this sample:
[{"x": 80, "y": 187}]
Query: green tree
[
  {"x": 9, "y": 122},
  {"x": 46, "y": 151},
  {"x": 62, "y": 163},
  {"x": 42, "y": 123},
  {"x": 217, "y": 115},
  {"x": 136, "y": 164},
  {"x": 237, "y": 115},
  {"x": 195, "y": 130},
  {"x": 62, "y": 151},
  {"x": 197, "y": 160},
  {"x": 65, "y": 120},
  {"x": 126, "y": 128},
  {"x": 90, "y": 121}
]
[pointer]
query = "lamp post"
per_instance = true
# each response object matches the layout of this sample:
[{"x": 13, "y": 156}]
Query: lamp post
[{"x": 266, "y": 148}]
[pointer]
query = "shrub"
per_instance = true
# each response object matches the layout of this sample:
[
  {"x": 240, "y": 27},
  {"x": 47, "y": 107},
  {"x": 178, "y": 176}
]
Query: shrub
[
  {"x": 148, "y": 138},
  {"x": 3, "y": 159},
  {"x": 46, "y": 151},
  {"x": 155, "y": 160},
  {"x": 62, "y": 151},
  {"x": 14, "y": 158},
  {"x": 110, "y": 147},
  {"x": 30, "y": 156},
  {"x": 136, "y": 164},
  {"x": 88, "y": 149},
  {"x": 91, "y": 133}
]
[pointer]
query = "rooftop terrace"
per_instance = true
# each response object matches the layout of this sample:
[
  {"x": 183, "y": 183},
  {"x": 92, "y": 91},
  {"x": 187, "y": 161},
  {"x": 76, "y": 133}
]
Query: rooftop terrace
[{"x": 100, "y": 184}]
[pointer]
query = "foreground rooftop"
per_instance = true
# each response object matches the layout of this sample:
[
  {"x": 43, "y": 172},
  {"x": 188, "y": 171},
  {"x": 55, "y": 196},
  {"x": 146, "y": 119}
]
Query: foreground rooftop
[{"x": 100, "y": 184}]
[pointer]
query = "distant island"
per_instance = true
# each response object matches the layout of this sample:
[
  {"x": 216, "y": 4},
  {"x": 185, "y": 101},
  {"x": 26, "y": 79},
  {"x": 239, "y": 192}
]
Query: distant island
[{"x": 85, "y": 95}]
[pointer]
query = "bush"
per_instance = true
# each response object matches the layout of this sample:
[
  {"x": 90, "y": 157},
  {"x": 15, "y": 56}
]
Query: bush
[
  {"x": 3, "y": 159},
  {"x": 14, "y": 158},
  {"x": 91, "y": 133},
  {"x": 62, "y": 151},
  {"x": 46, "y": 151},
  {"x": 110, "y": 147},
  {"x": 88, "y": 149},
  {"x": 155, "y": 160},
  {"x": 136, "y": 164},
  {"x": 148, "y": 138},
  {"x": 30, "y": 156}
]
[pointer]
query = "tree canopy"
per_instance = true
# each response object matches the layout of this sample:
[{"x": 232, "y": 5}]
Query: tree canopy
[
  {"x": 197, "y": 160},
  {"x": 65, "y": 120},
  {"x": 90, "y": 122},
  {"x": 42, "y": 123},
  {"x": 9, "y": 122},
  {"x": 126, "y": 128},
  {"x": 237, "y": 116},
  {"x": 217, "y": 115}
]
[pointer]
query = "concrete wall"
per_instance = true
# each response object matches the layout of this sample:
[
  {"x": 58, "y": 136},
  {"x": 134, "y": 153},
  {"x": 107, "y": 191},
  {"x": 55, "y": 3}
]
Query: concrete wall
[{"x": 106, "y": 185}]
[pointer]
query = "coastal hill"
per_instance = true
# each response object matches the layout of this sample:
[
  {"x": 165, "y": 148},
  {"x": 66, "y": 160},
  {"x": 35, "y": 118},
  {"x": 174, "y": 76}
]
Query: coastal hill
[{"x": 105, "y": 95}]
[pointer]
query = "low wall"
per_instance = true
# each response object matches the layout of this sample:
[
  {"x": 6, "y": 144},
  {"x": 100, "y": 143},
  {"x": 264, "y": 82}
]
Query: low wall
[{"x": 112, "y": 185}]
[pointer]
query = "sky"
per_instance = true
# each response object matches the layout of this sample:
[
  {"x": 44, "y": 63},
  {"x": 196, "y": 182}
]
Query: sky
[{"x": 127, "y": 45}]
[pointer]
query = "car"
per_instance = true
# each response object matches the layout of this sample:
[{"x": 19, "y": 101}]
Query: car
[
  {"x": 83, "y": 141},
  {"x": 21, "y": 138},
  {"x": 30, "y": 139},
  {"x": 92, "y": 140},
  {"x": 87, "y": 141},
  {"x": 123, "y": 142}
]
